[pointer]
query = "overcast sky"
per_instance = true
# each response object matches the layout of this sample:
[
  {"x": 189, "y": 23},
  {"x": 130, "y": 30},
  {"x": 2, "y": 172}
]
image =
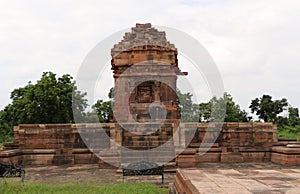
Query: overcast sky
[{"x": 254, "y": 43}]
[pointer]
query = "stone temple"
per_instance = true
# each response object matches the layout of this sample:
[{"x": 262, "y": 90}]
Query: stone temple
[
  {"x": 145, "y": 69},
  {"x": 146, "y": 116}
]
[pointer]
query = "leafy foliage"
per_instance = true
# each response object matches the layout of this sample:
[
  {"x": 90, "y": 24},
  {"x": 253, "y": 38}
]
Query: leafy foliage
[
  {"x": 188, "y": 111},
  {"x": 104, "y": 109},
  {"x": 293, "y": 118},
  {"x": 267, "y": 109},
  {"x": 289, "y": 127},
  {"x": 222, "y": 108},
  {"x": 47, "y": 101}
]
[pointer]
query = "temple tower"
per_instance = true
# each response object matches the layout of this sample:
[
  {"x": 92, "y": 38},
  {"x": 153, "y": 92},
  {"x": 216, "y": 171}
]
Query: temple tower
[{"x": 145, "y": 69}]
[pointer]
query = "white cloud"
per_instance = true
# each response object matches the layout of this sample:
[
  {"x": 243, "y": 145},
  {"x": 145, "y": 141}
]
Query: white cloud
[{"x": 254, "y": 43}]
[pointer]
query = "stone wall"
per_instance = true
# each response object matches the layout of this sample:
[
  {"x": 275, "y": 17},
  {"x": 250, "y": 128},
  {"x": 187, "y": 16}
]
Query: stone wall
[
  {"x": 228, "y": 142},
  {"x": 286, "y": 153},
  {"x": 211, "y": 142},
  {"x": 40, "y": 144}
]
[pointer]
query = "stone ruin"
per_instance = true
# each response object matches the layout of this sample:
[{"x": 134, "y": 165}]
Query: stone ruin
[
  {"x": 145, "y": 69},
  {"x": 146, "y": 117}
]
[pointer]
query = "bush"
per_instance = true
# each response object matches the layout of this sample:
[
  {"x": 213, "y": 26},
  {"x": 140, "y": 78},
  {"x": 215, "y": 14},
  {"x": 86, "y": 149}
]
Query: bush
[{"x": 289, "y": 132}]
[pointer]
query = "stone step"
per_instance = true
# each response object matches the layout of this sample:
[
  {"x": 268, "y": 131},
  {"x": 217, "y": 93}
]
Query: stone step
[
  {"x": 162, "y": 148},
  {"x": 149, "y": 130},
  {"x": 293, "y": 145},
  {"x": 147, "y": 138},
  {"x": 284, "y": 143},
  {"x": 231, "y": 157},
  {"x": 189, "y": 151},
  {"x": 140, "y": 147},
  {"x": 187, "y": 161},
  {"x": 150, "y": 159},
  {"x": 147, "y": 125},
  {"x": 148, "y": 154},
  {"x": 10, "y": 146},
  {"x": 144, "y": 143},
  {"x": 197, "y": 145},
  {"x": 203, "y": 150},
  {"x": 286, "y": 139},
  {"x": 63, "y": 159},
  {"x": 148, "y": 134}
]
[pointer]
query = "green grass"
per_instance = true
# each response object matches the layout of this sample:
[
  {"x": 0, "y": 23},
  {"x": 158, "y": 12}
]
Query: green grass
[
  {"x": 31, "y": 188},
  {"x": 289, "y": 132},
  {"x": 1, "y": 144}
]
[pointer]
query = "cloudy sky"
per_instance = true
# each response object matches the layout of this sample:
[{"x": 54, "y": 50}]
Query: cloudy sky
[{"x": 254, "y": 43}]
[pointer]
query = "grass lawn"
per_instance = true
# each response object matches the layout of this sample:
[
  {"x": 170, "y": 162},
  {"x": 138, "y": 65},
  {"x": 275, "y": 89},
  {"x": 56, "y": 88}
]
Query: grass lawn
[{"x": 18, "y": 187}]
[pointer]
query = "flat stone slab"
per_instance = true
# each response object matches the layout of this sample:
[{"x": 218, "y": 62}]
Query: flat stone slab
[
  {"x": 293, "y": 145},
  {"x": 244, "y": 178}
]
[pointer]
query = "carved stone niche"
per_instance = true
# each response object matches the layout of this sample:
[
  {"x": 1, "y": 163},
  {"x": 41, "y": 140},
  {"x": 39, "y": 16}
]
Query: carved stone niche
[
  {"x": 145, "y": 92},
  {"x": 153, "y": 101}
]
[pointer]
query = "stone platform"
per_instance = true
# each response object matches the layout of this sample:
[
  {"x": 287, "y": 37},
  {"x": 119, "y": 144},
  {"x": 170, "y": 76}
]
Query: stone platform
[
  {"x": 237, "y": 178},
  {"x": 59, "y": 144}
]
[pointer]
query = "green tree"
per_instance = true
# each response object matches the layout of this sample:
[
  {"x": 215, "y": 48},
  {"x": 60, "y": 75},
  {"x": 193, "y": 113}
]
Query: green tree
[
  {"x": 293, "y": 118},
  {"x": 267, "y": 109},
  {"x": 92, "y": 117},
  {"x": 104, "y": 109},
  {"x": 188, "y": 111},
  {"x": 47, "y": 101},
  {"x": 6, "y": 132},
  {"x": 111, "y": 93},
  {"x": 222, "y": 108},
  {"x": 214, "y": 110}
]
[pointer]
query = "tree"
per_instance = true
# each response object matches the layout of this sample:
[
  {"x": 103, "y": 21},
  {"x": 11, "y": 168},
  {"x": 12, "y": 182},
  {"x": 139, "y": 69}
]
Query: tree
[
  {"x": 234, "y": 112},
  {"x": 293, "y": 119},
  {"x": 104, "y": 109},
  {"x": 92, "y": 117},
  {"x": 222, "y": 108},
  {"x": 188, "y": 111},
  {"x": 47, "y": 101},
  {"x": 214, "y": 110},
  {"x": 111, "y": 93},
  {"x": 267, "y": 109},
  {"x": 6, "y": 132}
]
